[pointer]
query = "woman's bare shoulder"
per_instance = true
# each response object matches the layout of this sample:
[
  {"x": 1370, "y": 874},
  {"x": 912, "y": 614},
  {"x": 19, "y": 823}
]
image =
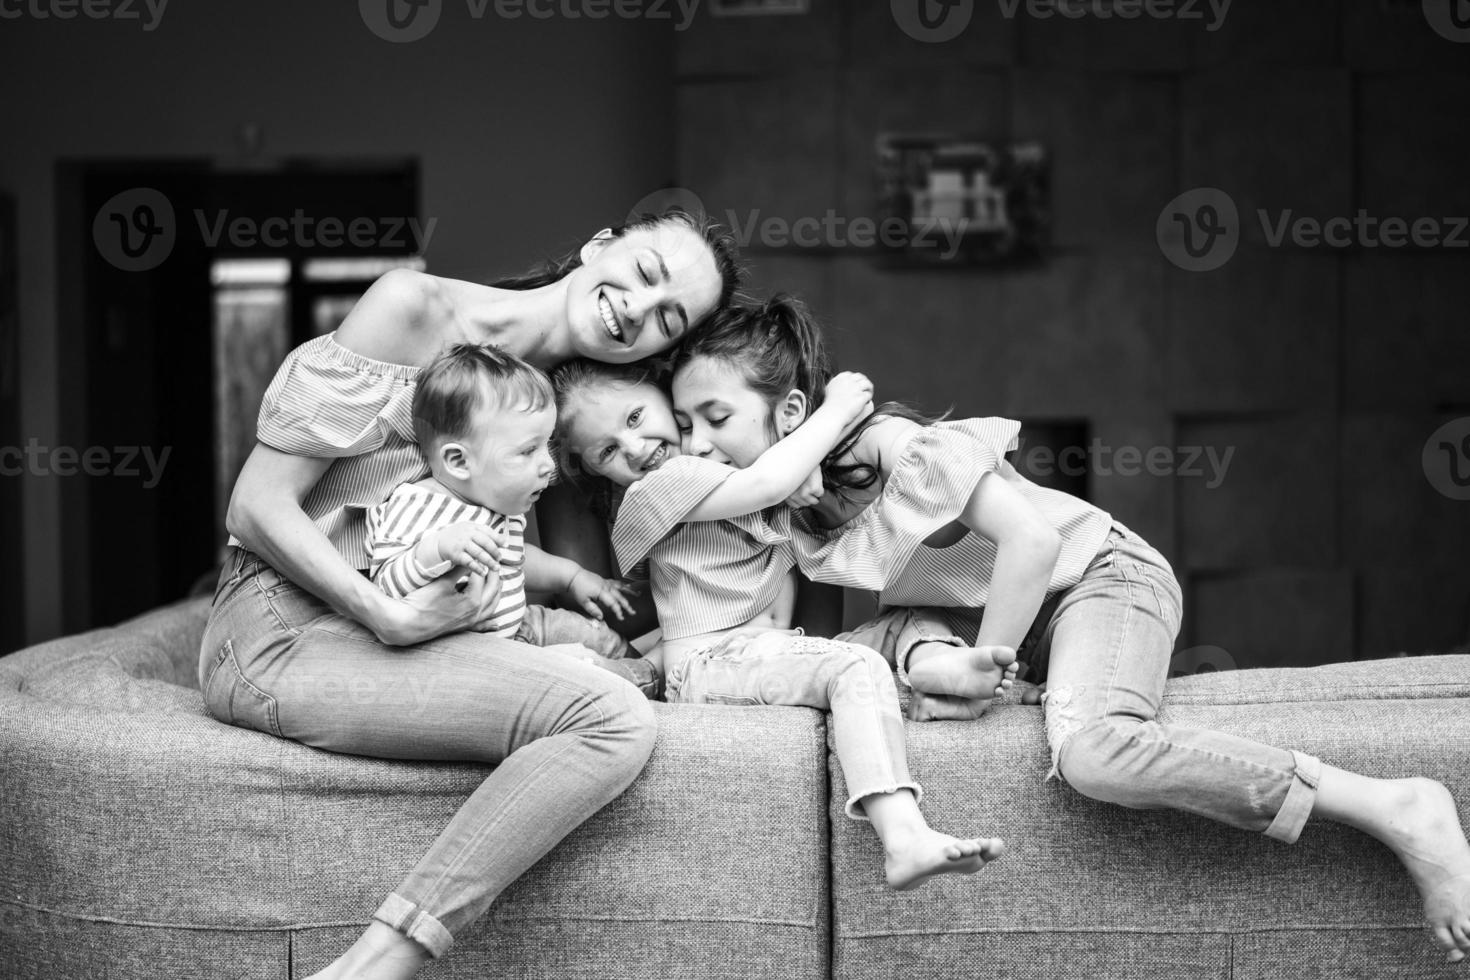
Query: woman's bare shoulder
[{"x": 399, "y": 319}]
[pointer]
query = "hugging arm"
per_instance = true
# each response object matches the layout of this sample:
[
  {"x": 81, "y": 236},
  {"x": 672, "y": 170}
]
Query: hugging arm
[
  {"x": 783, "y": 468},
  {"x": 265, "y": 514}
]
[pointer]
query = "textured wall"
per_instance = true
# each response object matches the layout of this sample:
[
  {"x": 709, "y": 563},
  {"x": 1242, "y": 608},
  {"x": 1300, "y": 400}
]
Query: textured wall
[{"x": 1323, "y": 370}]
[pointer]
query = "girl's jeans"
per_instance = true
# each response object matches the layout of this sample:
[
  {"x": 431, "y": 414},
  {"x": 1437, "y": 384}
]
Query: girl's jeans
[
  {"x": 565, "y": 737},
  {"x": 1107, "y": 642},
  {"x": 778, "y": 667}
]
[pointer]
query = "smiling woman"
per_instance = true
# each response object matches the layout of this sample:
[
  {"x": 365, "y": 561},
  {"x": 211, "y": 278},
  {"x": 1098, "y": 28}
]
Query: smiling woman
[{"x": 294, "y": 612}]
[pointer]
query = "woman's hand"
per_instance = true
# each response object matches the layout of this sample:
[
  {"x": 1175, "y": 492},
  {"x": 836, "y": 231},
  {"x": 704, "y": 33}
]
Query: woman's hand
[
  {"x": 592, "y": 592},
  {"x": 850, "y": 393},
  {"x": 436, "y": 609}
]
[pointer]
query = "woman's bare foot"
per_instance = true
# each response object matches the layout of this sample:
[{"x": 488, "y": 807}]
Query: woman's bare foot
[
  {"x": 1427, "y": 837},
  {"x": 968, "y": 673},
  {"x": 380, "y": 953},
  {"x": 914, "y": 859}
]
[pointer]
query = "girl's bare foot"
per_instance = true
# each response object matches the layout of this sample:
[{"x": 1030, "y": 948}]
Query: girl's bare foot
[
  {"x": 966, "y": 672},
  {"x": 1426, "y": 836},
  {"x": 970, "y": 674},
  {"x": 914, "y": 859},
  {"x": 380, "y": 953},
  {"x": 1418, "y": 820}
]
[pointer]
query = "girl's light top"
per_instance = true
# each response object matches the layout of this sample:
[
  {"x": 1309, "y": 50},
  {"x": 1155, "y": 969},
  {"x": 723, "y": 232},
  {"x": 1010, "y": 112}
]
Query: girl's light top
[
  {"x": 882, "y": 547},
  {"x": 395, "y": 526},
  {"x": 706, "y": 575},
  {"x": 328, "y": 402}
]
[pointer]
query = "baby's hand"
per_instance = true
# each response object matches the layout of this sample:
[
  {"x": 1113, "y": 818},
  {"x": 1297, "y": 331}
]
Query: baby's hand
[
  {"x": 850, "y": 393},
  {"x": 809, "y": 493},
  {"x": 590, "y": 590},
  {"x": 470, "y": 545}
]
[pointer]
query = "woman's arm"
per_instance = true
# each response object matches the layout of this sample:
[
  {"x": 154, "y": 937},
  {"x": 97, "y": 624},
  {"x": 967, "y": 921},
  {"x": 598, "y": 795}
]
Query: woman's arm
[
  {"x": 265, "y": 514},
  {"x": 783, "y": 468}
]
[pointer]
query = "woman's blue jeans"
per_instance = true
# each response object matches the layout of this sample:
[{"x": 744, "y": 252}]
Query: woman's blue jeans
[{"x": 566, "y": 737}]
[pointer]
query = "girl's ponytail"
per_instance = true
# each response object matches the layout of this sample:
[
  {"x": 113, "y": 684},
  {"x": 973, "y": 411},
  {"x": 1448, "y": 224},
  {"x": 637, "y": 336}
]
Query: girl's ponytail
[
  {"x": 792, "y": 325},
  {"x": 777, "y": 346}
]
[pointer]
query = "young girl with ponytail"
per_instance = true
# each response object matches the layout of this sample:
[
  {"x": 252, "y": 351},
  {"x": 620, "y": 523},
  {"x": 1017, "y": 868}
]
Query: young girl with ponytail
[{"x": 930, "y": 514}]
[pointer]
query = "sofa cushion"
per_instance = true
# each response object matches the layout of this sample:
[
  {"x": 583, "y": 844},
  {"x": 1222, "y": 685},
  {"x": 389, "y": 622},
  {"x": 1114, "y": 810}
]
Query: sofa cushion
[
  {"x": 136, "y": 827},
  {"x": 1092, "y": 890}
]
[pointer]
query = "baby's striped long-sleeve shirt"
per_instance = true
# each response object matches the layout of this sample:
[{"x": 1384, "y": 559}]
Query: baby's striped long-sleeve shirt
[{"x": 395, "y": 527}]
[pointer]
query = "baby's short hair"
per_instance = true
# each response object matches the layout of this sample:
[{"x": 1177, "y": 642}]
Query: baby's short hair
[{"x": 452, "y": 387}]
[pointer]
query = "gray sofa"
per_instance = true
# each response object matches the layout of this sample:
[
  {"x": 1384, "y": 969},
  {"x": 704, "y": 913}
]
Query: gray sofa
[{"x": 139, "y": 838}]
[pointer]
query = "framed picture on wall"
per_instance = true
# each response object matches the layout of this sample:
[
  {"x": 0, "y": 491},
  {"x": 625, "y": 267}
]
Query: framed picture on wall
[{"x": 947, "y": 200}]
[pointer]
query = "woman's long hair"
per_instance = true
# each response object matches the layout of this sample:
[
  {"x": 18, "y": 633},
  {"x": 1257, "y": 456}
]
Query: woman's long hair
[{"x": 778, "y": 347}]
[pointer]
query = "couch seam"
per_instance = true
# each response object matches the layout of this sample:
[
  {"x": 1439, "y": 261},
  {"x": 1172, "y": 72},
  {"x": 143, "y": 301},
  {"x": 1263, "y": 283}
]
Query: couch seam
[
  {"x": 1134, "y": 930},
  {"x": 357, "y": 923}
]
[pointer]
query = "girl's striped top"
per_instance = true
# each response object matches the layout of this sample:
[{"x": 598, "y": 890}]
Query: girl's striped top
[
  {"x": 328, "y": 402},
  {"x": 395, "y": 526},
  {"x": 706, "y": 575},
  {"x": 882, "y": 547}
]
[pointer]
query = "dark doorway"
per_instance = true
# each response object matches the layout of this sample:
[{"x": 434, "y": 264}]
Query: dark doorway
[{"x": 137, "y": 243}]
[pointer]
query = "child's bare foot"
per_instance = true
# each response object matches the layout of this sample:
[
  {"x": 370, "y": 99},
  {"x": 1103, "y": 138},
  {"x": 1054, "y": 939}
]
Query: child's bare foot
[
  {"x": 1425, "y": 833},
  {"x": 926, "y": 853},
  {"x": 937, "y": 707},
  {"x": 972, "y": 676},
  {"x": 380, "y": 953}
]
